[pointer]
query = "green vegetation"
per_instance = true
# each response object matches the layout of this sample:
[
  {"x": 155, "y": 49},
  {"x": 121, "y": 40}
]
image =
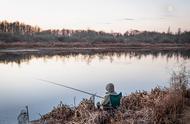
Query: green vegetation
[{"x": 16, "y": 31}]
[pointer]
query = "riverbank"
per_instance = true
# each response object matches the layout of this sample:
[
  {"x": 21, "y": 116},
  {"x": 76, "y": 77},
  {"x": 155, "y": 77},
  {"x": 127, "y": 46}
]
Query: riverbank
[
  {"x": 160, "y": 106},
  {"x": 59, "y": 48},
  {"x": 98, "y": 45}
]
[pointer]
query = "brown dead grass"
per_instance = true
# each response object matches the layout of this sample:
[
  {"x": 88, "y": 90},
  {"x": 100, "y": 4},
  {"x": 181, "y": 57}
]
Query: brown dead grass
[
  {"x": 129, "y": 45},
  {"x": 159, "y": 106}
]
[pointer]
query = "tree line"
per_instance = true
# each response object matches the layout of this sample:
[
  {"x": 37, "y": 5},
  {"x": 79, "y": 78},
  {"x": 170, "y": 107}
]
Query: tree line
[
  {"x": 17, "y": 31},
  {"x": 18, "y": 28}
]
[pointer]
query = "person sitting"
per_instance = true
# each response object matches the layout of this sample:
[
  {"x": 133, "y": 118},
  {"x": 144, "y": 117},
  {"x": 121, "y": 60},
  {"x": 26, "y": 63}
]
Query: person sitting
[{"x": 111, "y": 99}]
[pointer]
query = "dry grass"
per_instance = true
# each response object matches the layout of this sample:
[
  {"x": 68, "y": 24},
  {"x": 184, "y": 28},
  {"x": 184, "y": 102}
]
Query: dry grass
[
  {"x": 160, "y": 106},
  {"x": 127, "y": 45}
]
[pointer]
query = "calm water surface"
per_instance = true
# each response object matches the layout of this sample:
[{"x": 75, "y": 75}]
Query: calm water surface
[{"x": 129, "y": 72}]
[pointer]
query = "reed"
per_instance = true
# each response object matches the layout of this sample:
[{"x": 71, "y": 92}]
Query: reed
[{"x": 159, "y": 106}]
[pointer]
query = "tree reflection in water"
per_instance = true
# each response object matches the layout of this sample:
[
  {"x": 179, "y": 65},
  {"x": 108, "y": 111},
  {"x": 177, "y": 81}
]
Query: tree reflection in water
[{"x": 19, "y": 58}]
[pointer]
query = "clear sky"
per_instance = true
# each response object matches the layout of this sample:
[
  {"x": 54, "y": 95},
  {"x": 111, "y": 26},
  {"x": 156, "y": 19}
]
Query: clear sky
[{"x": 106, "y": 15}]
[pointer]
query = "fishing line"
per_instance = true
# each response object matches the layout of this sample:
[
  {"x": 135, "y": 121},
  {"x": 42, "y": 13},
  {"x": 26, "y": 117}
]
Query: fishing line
[{"x": 75, "y": 89}]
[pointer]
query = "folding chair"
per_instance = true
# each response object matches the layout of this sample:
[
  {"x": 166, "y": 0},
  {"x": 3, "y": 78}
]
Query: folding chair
[{"x": 114, "y": 102}]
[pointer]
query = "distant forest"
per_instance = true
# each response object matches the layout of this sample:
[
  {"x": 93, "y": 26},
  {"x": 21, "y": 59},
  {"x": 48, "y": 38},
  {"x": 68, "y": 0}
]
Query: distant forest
[{"x": 20, "y": 32}]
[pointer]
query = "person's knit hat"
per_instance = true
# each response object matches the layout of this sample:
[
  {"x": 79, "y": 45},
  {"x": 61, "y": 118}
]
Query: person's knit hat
[{"x": 110, "y": 88}]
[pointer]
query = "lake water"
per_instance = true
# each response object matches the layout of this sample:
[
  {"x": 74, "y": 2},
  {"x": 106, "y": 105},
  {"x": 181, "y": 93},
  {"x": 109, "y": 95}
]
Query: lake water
[{"x": 19, "y": 84}]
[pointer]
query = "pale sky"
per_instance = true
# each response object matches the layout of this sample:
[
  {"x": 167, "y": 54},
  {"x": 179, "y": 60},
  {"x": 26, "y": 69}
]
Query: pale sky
[{"x": 105, "y": 15}]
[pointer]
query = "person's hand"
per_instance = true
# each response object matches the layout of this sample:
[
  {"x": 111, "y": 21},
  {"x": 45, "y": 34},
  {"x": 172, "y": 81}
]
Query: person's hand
[{"x": 98, "y": 105}]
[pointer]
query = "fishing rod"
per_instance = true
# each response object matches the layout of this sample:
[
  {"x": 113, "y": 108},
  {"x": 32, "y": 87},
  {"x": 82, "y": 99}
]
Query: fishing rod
[{"x": 58, "y": 84}]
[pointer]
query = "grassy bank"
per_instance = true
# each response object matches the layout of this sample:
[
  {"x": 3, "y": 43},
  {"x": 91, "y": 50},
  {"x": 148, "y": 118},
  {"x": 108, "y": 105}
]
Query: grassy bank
[
  {"x": 159, "y": 106},
  {"x": 86, "y": 48},
  {"x": 129, "y": 45}
]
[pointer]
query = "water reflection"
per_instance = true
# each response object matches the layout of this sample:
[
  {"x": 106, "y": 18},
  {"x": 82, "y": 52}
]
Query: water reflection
[{"x": 88, "y": 57}]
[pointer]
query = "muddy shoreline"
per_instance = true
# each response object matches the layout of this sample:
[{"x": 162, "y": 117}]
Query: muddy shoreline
[{"x": 66, "y": 48}]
